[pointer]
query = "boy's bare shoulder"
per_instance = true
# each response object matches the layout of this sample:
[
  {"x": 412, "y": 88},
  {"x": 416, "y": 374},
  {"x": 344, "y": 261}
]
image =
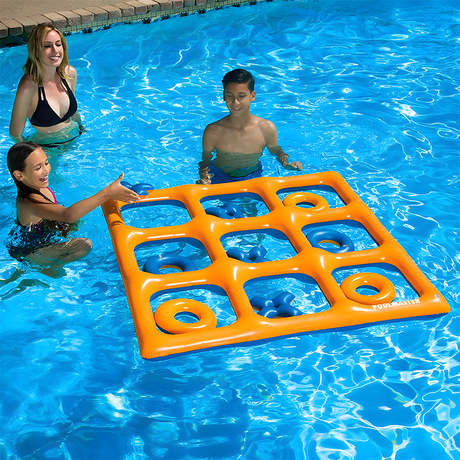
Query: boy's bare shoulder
[
  {"x": 267, "y": 127},
  {"x": 212, "y": 133},
  {"x": 265, "y": 124},
  {"x": 217, "y": 125}
]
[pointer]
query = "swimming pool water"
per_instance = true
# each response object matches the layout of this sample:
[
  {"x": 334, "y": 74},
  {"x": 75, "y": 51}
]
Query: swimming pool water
[{"x": 370, "y": 90}]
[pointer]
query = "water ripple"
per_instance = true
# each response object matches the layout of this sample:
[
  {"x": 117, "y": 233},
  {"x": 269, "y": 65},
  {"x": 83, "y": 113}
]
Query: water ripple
[{"x": 368, "y": 91}]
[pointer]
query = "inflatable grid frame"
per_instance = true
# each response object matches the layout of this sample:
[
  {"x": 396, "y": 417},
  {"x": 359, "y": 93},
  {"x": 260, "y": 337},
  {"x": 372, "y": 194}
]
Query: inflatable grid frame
[{"x": 230, "y": 274}]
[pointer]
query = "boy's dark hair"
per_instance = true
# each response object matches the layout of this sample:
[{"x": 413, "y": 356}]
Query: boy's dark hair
[{"x": 239, "y": 76}]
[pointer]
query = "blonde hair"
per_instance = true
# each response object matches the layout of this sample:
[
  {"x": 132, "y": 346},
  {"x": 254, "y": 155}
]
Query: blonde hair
[{"x": 33, "y": 65}]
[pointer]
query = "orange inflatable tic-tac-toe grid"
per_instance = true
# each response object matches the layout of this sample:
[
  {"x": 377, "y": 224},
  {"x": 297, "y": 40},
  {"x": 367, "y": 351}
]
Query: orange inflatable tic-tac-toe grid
[{"x": 315, "y": 215}]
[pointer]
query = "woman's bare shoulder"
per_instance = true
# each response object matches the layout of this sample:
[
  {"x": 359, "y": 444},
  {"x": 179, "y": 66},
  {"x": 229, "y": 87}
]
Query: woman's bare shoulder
[
  {"x": 26, "y": 83},
  {"x": 71, "y": 71}
]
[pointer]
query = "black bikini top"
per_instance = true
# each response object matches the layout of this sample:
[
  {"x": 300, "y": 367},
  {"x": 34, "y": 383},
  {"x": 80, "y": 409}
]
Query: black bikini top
[{"x": 45, "y": 116}]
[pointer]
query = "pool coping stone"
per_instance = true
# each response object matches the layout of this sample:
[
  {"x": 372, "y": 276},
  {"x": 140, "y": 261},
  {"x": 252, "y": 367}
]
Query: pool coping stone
[{"x": 89, "y": 18}]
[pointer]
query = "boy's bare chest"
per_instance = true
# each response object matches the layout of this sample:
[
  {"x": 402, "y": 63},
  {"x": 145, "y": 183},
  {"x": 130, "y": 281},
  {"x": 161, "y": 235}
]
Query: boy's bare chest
[{"x": 243, "y": 141}]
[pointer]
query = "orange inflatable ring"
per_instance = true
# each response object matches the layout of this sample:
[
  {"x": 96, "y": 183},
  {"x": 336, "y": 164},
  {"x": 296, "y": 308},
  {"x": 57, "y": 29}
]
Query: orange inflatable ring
[
  {"x": 165, "y": 316},
  {"x": 386, "y": 293},
  {"x": 319, "y": 203}
]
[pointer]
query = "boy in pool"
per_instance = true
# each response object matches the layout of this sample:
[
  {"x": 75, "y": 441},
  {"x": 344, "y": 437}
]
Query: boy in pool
[{"x": 239, "y": 138}]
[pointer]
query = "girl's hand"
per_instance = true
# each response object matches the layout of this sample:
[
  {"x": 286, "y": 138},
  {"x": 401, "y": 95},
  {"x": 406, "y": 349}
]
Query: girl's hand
[{"x": 118, "y": 192}]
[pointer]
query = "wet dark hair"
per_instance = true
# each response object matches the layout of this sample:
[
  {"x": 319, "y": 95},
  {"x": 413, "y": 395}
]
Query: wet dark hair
[
  {"x": 16, "y": 161},
  {"x": 239, "y": 76}
]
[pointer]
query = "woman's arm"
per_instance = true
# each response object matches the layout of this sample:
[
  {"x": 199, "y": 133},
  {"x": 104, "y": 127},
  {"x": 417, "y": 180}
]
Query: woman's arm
[
  {"x": 24, "y": 95},
  {"x": 114, "y": 191},
  {"x": 71, "y": 72},
  {"x": 76, "y": 117}
]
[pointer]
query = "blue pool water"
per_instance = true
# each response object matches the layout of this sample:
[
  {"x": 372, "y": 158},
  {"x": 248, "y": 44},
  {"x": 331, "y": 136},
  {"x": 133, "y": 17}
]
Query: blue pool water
[{"x": 368, "y": 89}]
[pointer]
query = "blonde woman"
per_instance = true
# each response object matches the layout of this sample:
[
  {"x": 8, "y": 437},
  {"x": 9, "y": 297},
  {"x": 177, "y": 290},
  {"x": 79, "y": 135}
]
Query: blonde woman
[{"x": 46, "y": 93}]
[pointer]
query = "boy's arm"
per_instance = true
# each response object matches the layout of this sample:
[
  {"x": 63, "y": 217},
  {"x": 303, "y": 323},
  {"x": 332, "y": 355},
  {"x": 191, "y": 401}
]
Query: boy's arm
[
  {"x": 271, "y": 141},
  {"x": 208, "y": 147},
  {"x": 283, "y": 158},
  {"x": 205, "y": 176}
]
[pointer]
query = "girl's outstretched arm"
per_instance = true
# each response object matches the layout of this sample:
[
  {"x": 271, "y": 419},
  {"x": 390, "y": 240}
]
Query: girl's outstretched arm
[{"x": 45, "y": 210}]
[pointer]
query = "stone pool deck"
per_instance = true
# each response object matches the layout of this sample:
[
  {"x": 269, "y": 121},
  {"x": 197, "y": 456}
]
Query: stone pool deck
[{"x": 17, "y": 18}]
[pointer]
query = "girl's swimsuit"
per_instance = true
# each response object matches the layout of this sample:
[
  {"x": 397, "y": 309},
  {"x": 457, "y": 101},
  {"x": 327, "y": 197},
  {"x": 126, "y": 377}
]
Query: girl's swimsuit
[
  {"x": 23, "y": 240},
  {"x": 44, "y": 116}
]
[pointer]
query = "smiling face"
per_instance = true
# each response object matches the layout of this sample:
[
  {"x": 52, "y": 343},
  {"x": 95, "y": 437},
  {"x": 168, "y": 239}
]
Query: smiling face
[
  {"x": 36, "y": 171},
  {"x": 52, "y": 50},
  {"x": 47, "y": 53},
  {"x": 238, "y": 98}
]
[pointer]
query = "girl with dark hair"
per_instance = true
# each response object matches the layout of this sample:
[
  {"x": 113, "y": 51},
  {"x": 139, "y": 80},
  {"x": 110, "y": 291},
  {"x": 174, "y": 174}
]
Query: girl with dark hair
[{"x": 40, "y": 235}]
